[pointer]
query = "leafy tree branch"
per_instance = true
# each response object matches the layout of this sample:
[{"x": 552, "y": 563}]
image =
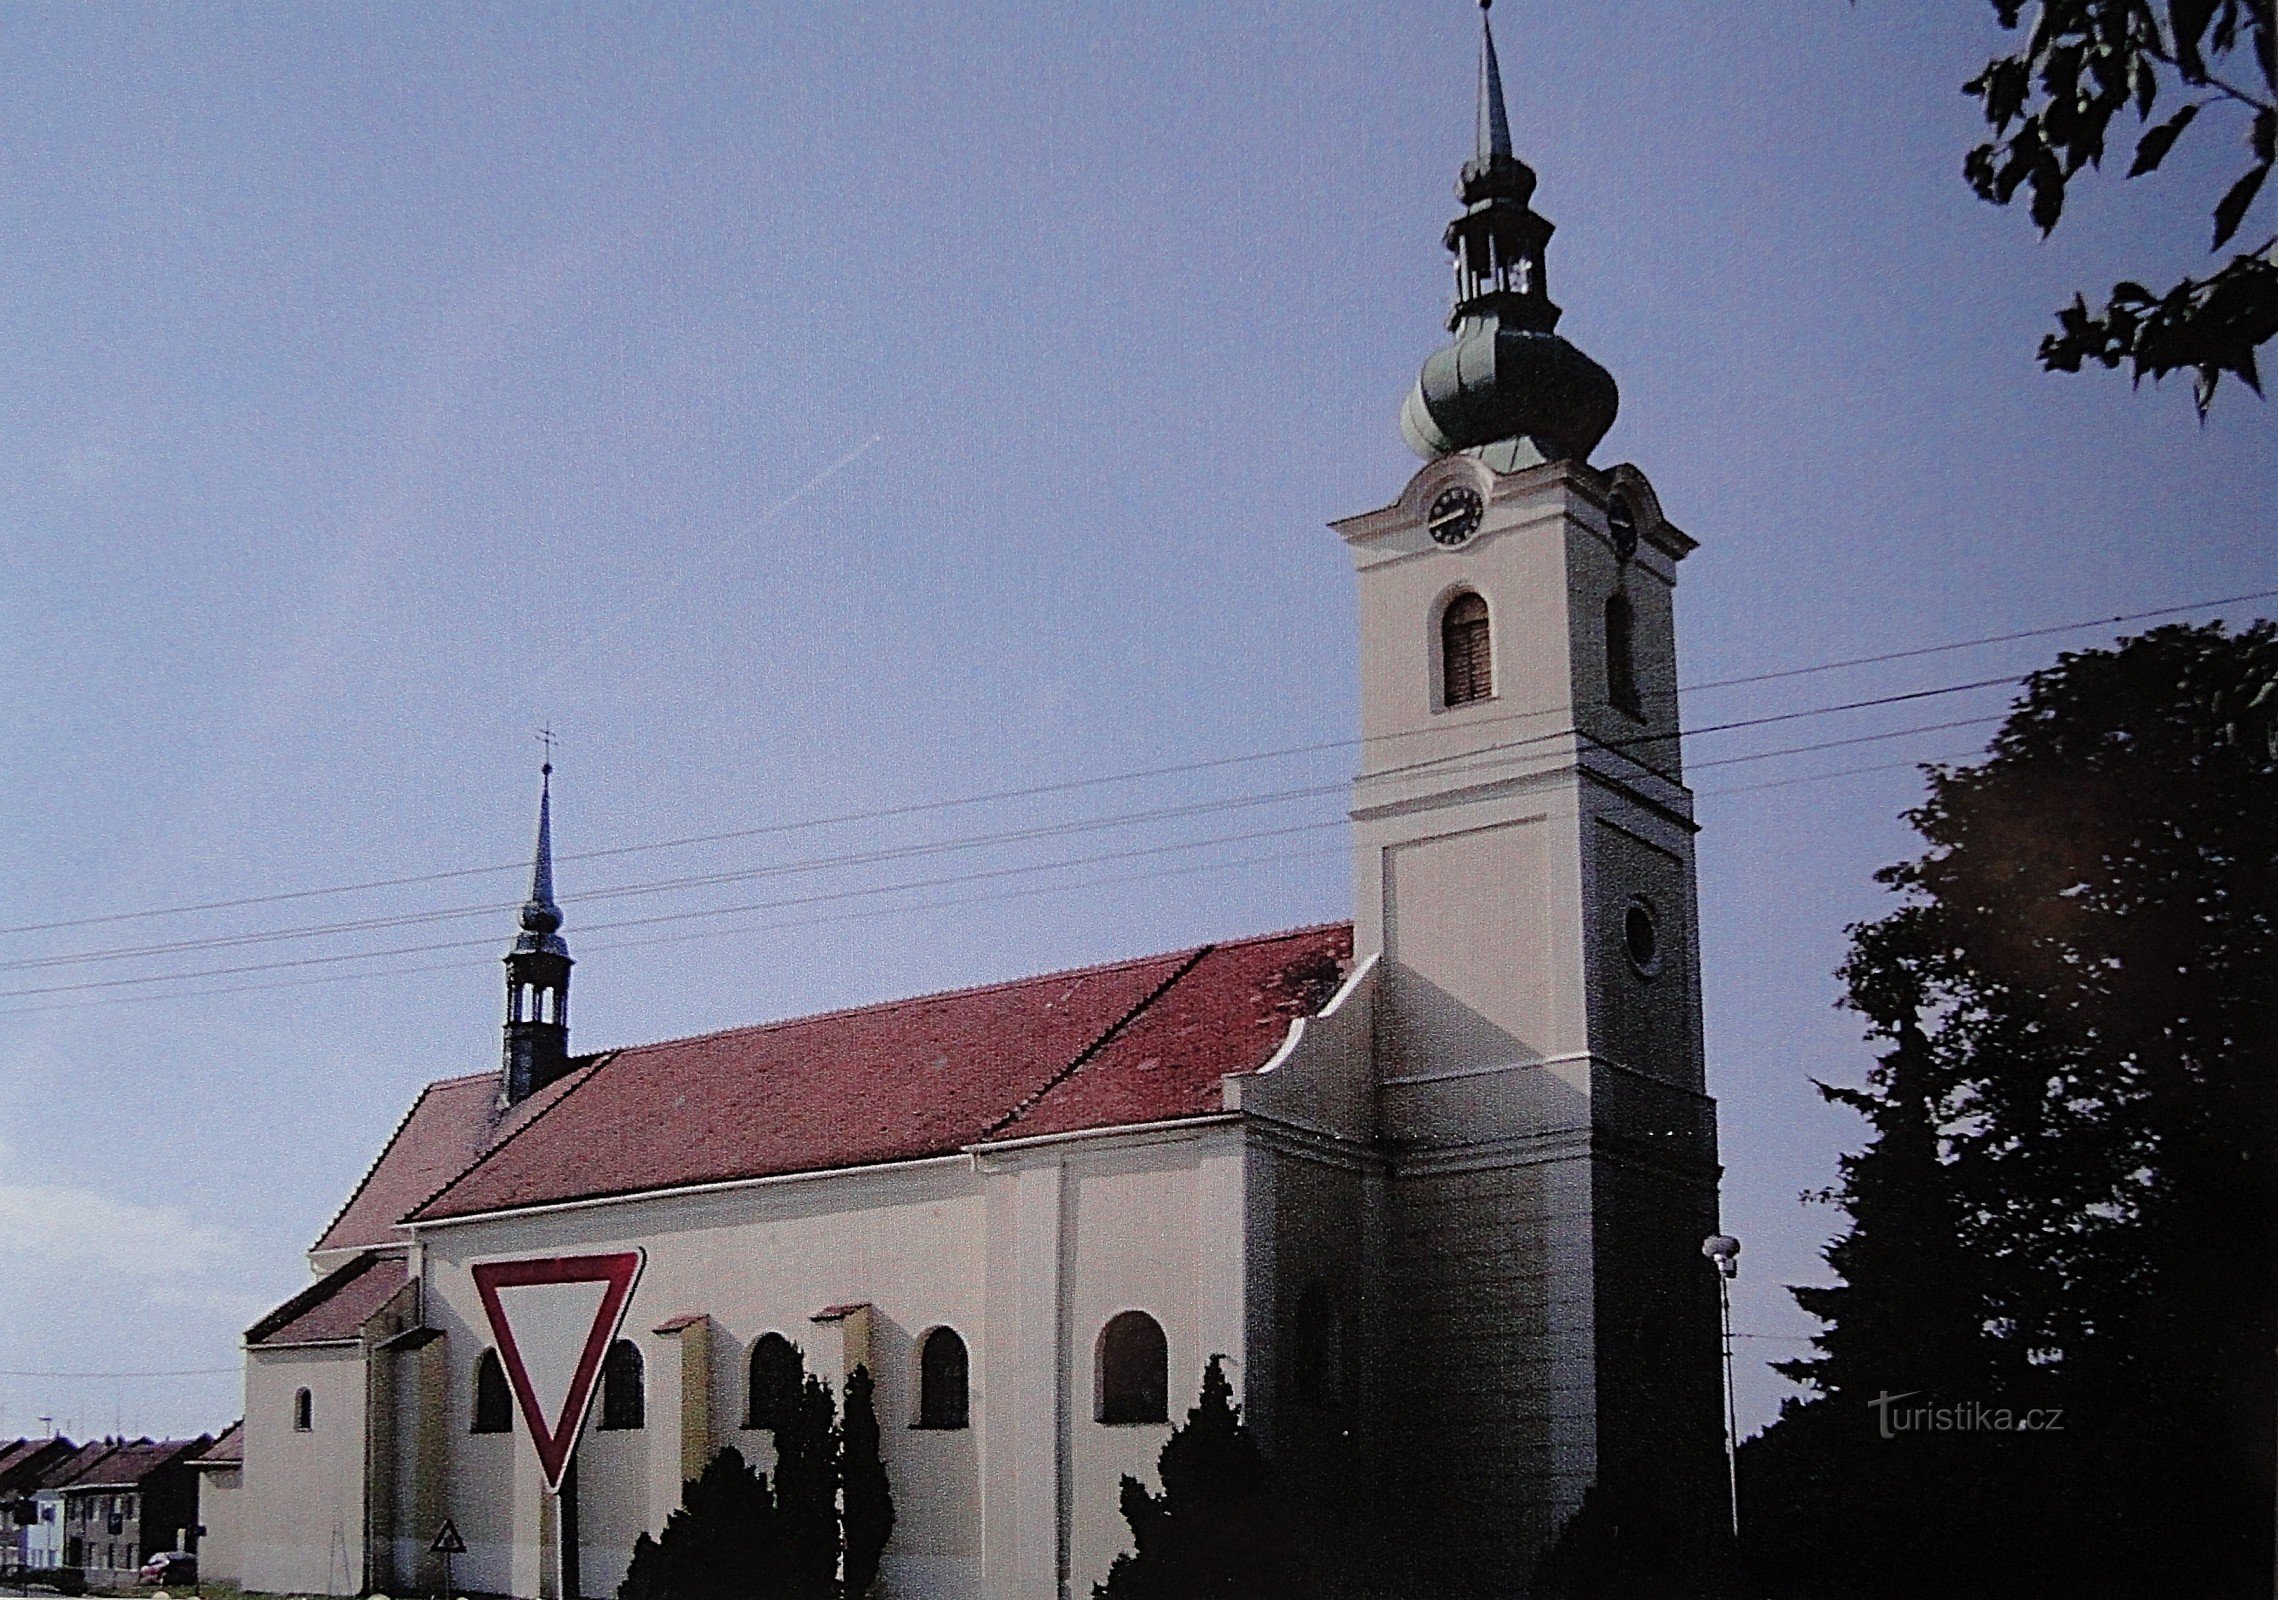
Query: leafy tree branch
[{"x": 2052, "y": 105}]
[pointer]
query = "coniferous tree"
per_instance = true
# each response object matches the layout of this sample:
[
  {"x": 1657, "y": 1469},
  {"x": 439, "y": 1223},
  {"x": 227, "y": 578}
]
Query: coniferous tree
[
  {"x": 736, "y": 1536},
  {"x": 720, "y": 1544},
  {"x": 806, "y": 1494},
  {"x": 1218, "y": 1528},
  {"x": 866, "y": 1499},
  {"x": 2070, "y": 1200}
]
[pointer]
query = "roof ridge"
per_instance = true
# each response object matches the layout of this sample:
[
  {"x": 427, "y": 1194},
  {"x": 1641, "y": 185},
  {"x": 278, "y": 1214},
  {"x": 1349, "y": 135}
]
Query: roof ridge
[
  {"x": 1029, "y": 1102},
  {"x": 924, "y": 997},
  {"x": 593, "y": 1069},
  {"x": 372, "y": 1170}
]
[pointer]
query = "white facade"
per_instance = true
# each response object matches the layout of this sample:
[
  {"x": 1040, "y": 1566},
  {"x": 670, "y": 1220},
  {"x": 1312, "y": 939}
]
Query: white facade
[{"x": 1477, "y": 1179}]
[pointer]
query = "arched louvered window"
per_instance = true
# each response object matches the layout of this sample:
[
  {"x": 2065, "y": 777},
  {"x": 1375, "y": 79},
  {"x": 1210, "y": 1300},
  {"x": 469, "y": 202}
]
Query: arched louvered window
[
  {"x": 622, "y": 1403},
  {"x": 304, "y": 1411},
  {"x": 943, "y": 1376},
  {"x": 1621, "y": 663},
  {"x": 776, "y": 1368},
  {"x": 1134, "y": 1377},
  {"x": 1467, "y": 667},
  {"x": 1318, "y": 1340},
  {"x": 494, "y": 1405}
]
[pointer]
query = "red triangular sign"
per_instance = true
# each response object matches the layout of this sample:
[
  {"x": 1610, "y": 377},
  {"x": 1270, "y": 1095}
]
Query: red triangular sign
[{"x": 554, "y": 1319}]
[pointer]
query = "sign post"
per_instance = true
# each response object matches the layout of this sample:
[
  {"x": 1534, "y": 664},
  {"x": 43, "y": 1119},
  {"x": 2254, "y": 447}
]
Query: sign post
[
  {"x": 448, "y": 1544},
  {"x": 554, "y": 1319}
]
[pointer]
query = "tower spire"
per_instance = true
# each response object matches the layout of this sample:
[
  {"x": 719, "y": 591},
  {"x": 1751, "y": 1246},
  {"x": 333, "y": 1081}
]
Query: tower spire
[
  {"x": 538, "y": 970},
  {"x": 1494, "y": 122},
  {"x": 1507, "y": 386},
  {"x": 540, "y": 908}
]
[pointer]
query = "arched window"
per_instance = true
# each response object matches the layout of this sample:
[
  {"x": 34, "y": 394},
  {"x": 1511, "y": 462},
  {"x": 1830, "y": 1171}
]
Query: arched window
[
  {"x": 1467, "y": 668},
  {"x": 1317, "y": 1341},
  {"x": 494, "y": 1406},
  {"x": 942, "y": 1375},
  {"x": 776, "y": 1367},
  {"x": 622, "y": 1405},
  {"x": 1621, "y": 665},
  {"x": 1134, "y": 1370},
  {"x": 304, "y": 1411}
]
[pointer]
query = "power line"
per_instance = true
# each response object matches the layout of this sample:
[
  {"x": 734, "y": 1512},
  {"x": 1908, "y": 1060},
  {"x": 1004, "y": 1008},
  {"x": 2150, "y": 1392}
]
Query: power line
[
  {"x": 822, "y": 897},
  {"x": 930, "y": 848},
  {"x": 1991, "y": 638},
  {"x": 177, "y": 1372},
  {"x": 1063, "y": 786},
  {"x": 1028, "y": 892}
]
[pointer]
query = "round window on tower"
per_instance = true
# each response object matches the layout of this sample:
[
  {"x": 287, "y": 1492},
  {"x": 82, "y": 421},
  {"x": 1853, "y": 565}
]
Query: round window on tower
[{"x": 1641, "y": 937}]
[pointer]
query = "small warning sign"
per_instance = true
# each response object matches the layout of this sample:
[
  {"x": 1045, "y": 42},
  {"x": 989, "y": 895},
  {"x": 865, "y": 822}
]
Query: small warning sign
[{"x": 447, "y": 1540}]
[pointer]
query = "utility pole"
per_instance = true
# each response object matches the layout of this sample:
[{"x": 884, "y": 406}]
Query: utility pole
[{"x": 1724, "y": 1250}]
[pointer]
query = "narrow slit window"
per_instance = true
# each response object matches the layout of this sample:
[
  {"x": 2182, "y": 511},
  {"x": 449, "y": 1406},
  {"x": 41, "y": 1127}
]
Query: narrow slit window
[
  {"x": 1467, "y": 669},
  {"x": 1320, "y": 1350},
  {"x": 304, "y": 1411},
  {"x": 1621, "y": 661}
]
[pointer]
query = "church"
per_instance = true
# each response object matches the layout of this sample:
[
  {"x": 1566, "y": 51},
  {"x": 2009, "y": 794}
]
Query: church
[{"x": 1433, "y": 1181}]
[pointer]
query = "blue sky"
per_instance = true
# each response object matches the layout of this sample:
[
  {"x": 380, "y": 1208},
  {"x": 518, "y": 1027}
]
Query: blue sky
[{"x": 805, "y": 409}]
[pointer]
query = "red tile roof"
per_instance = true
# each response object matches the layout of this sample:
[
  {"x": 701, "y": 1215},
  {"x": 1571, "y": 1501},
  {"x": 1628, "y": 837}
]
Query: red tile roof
[
  {"x": 127, "y": 1465},
  {"x": 1128, "y": 1042},
  {"x": 72, "y": 1465},
  {"x": 228, "y": 1448},
  {"x": 446, "y": 1130},
  {"x": 23, "y": 1462},
  {"x": 336, "y": 1306}
]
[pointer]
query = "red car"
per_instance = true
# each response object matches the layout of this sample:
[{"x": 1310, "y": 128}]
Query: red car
[{"x": 172, "y": 1566}]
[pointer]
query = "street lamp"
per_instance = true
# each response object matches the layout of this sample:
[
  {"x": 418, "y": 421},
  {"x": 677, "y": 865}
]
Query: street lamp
[{"x": 1724, "y": 1250}]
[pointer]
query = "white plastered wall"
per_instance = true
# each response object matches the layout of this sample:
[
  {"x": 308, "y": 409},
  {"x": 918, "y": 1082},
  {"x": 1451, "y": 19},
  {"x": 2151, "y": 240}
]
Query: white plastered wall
[
  {"x": 1024, "y": 1250},
  {"x": 304, "y": 1492}
]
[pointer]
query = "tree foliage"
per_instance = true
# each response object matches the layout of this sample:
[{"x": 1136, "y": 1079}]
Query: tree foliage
[
  {"x": 2066, "y": 1204},
  {"x": 1218, "y": 1529},
  {"x": 2088, "y": 64},
  {"x": 736, "y": 1536},
  {"x": 867, "y": 1502}
]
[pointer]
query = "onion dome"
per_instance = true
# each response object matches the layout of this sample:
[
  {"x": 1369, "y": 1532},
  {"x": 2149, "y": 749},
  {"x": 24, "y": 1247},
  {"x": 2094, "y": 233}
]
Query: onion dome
[{"x": 1507, "y": 385}]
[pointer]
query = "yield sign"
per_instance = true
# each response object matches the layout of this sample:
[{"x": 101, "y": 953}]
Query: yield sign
[
  {"x": 447, "y": 1540},
  {"x": 553, "y": 1319}
]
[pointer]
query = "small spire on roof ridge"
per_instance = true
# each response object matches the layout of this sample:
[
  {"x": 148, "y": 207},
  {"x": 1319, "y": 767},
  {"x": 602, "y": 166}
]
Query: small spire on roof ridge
[
  {"x": 539, "y": 913},
  {"x": 1494, "y": 121}
]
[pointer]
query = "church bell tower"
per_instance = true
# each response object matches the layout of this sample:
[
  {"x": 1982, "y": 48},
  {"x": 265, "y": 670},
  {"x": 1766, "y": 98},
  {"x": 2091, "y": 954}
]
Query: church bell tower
[
  {"x": 538, "y": 973},
  {"x": 1524, "y": 872}
]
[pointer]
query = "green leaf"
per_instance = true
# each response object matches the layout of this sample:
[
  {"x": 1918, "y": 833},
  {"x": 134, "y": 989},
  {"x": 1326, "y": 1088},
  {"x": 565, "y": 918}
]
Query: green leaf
[
  {"x": 2152, "y": 148},
  {"x": 2187, "y": 19},
  {"x": 2230, "y": 211}
]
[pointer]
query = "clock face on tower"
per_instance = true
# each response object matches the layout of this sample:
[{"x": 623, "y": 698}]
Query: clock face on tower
[{"x": 1455, "y": 515}]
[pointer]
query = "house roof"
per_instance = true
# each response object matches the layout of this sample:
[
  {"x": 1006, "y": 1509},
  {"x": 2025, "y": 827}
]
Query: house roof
[
  {"x": 23, "y": 1461},
  {"x": 1128, "y": 1042},
  {"x": 71, "y": 1466},
  {"x": 125, "y": 1466},
  {"x": 335, "y": 1307},
  {"x": 228, "y": 1448}
]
